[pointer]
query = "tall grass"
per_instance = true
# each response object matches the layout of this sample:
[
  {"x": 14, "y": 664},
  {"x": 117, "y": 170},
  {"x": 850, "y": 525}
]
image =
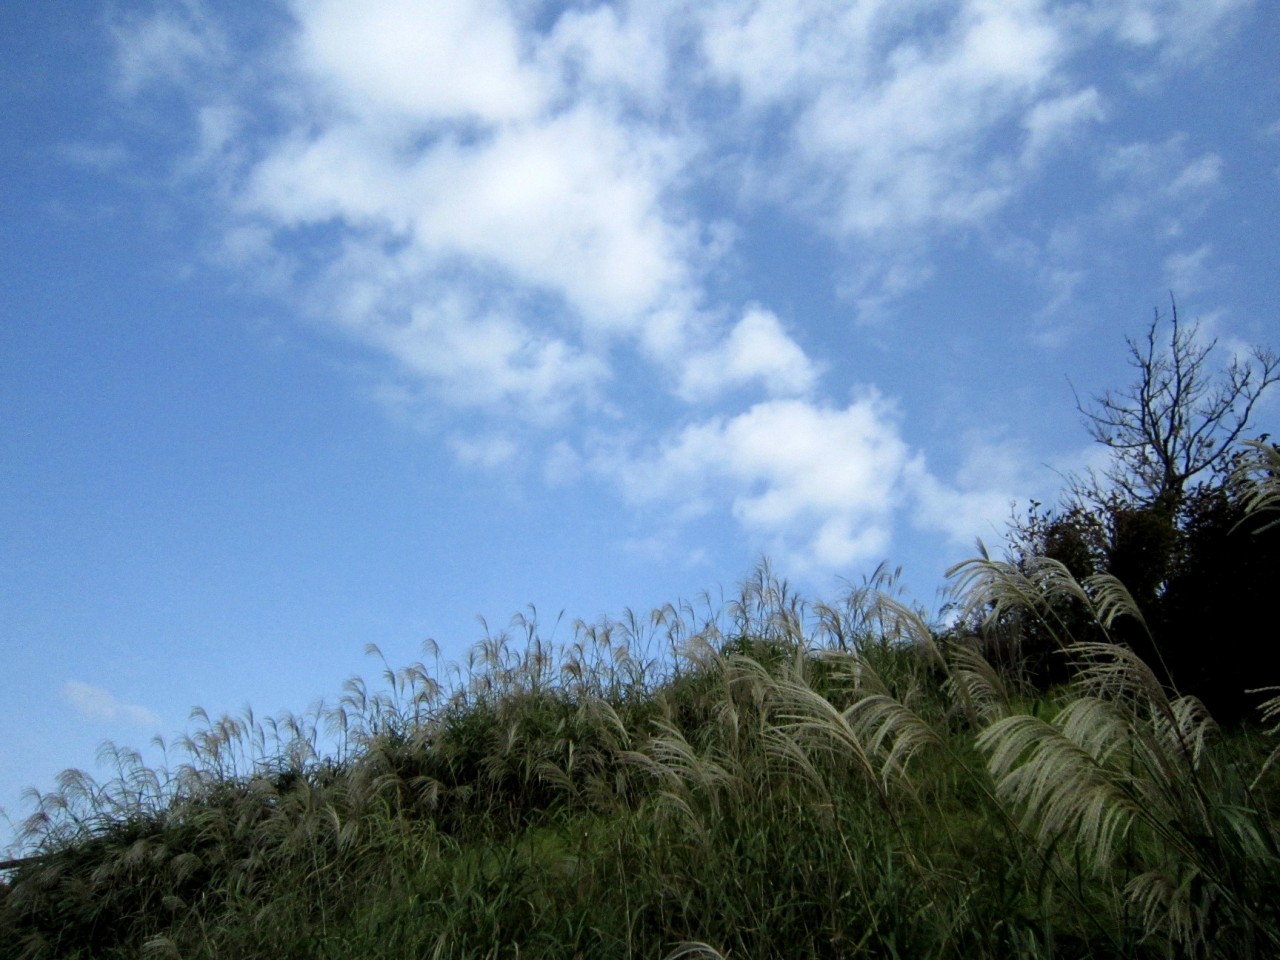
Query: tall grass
[{"x": 762, "y": 777}]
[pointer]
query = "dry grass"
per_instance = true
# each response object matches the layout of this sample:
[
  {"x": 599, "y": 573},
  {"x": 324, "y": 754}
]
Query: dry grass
[{"x": 762, "y": 779}]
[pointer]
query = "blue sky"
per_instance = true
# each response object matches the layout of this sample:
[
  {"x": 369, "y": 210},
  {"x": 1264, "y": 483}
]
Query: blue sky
[{"x": 327, "y": 324}]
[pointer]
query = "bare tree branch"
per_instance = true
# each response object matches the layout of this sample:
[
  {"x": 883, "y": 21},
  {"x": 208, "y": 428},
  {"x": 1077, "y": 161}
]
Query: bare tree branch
[{"x": 1177, "y": 420}]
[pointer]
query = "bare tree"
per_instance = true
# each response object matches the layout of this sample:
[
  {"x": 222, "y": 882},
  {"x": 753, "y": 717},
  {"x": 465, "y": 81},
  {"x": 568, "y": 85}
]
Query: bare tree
[{"x": 1180, "y": 418}]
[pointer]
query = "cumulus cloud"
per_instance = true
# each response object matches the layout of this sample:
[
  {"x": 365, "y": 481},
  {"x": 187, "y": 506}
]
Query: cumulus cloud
[
  {"x": 757, "y": 349},
  {"x": 820, "y": 487},
  {"x": 558, "y": 156},
  {"x": 501, "y": 199},
  {"x": 435, "y": 59},
  {"x": 488, "y": 359},
  {"x": 427, "y": 143},
  {"x": 570, "y": 206},
  {"x": 95, "y": 703},
  {"x": 974, "y": 505},
  {"x": 614, "y": 53},
  {"x": 815, "y": 484}
]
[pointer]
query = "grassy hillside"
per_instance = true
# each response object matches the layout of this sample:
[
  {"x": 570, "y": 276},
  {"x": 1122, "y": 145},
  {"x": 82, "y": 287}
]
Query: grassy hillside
[{"x": 776, "y": 778}]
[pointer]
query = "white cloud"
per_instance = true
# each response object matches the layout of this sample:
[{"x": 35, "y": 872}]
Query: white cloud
[
  {"x": 873, "y": 286},
  {"x": 475, "y": 358},
  {"x": 820, "y": 488},
  {"x": 888, "y": 118},
  {"x": 420, "y": 59},
  {"x": 777, "y": 51},
  {"x": 487, "y": 451},
  {"x": 572, "y": 205},
  {"x": 991, "y": 478},
  {"x": 562, "y": 211},
  {"x": 455, "y": 145},
  {"x": 613, "y": 52},
  {"x": 816, "y": 485},
  {"x": 898, "y": 121},
  {"x": 344, "y": 172},
  {"x": 568, "y": 210},
  {"x": 569, "y": 201},
  {"x": 95, "y": 703},
  {"x": 1052, "y": 122},
  {"x": 756, "y": 349},
  {"x": 559, "y": 147},
  {"x": 501, "y": 207}
]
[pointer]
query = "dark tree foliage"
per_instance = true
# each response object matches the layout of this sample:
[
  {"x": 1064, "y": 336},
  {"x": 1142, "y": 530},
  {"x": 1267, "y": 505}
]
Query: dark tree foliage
[
  {"x": 1077, "y": 538},
  {"x": 1205, "y": 621},
  {"x": 1168, "y": 517}
]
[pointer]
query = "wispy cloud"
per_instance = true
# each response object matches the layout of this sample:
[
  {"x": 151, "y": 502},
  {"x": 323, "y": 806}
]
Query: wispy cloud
[
  {"x": 166, "y": 47},
  {"x": 1163, "y": 178},
  {"x": 485, "y": 452},
  {"x": 1188, "y": 273},
  {"x": 1052, "y": 122},
  {"x": 1176, "y": 30},
  {"x": 95, "y": 703}
]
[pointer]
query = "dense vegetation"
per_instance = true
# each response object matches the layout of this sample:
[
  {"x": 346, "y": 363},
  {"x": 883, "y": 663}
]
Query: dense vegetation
[
  {"x": 1168, "y": 517},
  {"x": 769, "y": 778}
]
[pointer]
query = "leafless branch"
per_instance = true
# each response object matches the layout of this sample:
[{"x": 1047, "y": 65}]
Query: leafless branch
[{"x": 1178, "y": 419}]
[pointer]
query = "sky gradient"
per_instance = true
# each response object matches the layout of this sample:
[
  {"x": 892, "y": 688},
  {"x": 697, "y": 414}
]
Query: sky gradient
[{"x": 328, "y": 324}]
